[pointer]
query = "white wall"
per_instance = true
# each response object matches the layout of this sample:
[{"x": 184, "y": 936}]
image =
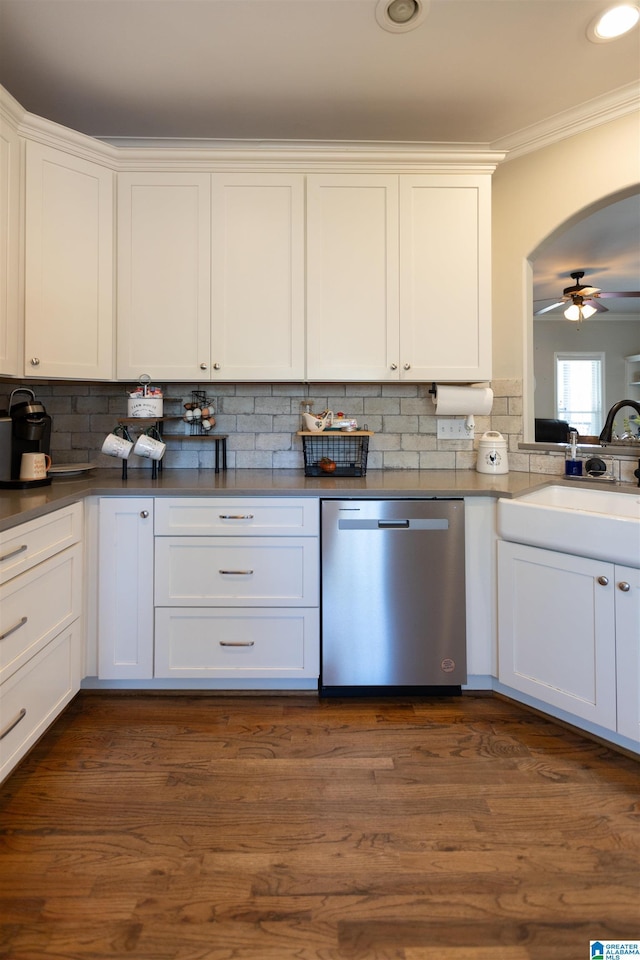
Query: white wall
[
  {"x": 616, "y": 338},
  {"x": 532, "y": 197}
]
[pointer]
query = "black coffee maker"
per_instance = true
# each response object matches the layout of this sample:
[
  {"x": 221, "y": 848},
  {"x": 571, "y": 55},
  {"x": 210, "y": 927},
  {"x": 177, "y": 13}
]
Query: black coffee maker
[{"x": 24, "y": 428}]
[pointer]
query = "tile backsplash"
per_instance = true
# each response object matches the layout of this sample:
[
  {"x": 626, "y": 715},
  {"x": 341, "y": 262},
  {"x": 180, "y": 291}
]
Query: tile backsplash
[{"x": 261, "y": 421}]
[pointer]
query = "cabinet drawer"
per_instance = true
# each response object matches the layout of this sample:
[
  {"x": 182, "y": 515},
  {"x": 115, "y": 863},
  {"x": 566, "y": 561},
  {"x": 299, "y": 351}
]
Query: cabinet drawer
[
  {"x": 236, "y": 571},
  {"x": 32, "y": 542},
  {"x": 268, "y": 516},
  {"x": 36, "y": 606},
  {"x": 32, "y": 698},
  {"x": 230, "y": 643}
]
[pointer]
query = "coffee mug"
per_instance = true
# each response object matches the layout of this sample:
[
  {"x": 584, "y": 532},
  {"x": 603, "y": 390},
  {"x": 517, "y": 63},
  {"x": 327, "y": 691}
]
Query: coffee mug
[
  {"x": 34, "y": 466},
  {"x": 118, "y": 444},
  {"x": 149, "y": 445}
]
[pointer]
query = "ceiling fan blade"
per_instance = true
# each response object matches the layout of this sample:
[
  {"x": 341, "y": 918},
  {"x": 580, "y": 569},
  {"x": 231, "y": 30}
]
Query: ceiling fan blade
[
  {"x": 619, "y": 293},
  {"x": 552, "y": 306},
  {"x": 599, "y": 307}
]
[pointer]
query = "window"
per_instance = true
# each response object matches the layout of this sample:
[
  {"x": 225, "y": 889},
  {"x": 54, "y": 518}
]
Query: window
[{"x": 579, "y": 390}]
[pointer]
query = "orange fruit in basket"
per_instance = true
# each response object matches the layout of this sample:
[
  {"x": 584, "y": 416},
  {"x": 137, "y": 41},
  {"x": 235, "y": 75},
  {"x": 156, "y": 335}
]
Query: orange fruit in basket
[{"x": 327, "y": 465}]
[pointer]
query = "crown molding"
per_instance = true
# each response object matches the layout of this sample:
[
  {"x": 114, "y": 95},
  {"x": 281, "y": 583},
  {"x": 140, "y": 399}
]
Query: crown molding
[
  {"x": 138, "y": 153},
  {"x": 586, "y": 116},
  {"x": 10, "y": 110}
]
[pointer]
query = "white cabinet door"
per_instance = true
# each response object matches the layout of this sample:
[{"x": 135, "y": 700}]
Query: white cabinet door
[
  {"x": 68, "y": 266},
  {"x": 445, "y": 278},
  {"x": 627, "y": 594},
  {"x": 352, "y": 277},
  {"x": 257, "y": 277},
  {"x": 10, "y": 321},
  {"x": 125, "y": 588},
  {"x": 556, "y": 630},
  {"x": 164, "y": 271}
]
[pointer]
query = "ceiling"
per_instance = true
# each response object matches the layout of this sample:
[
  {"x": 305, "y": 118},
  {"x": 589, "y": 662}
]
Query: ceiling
[
  {"x": 476, "y": 72},
  {"x": 473, "y": 71}
]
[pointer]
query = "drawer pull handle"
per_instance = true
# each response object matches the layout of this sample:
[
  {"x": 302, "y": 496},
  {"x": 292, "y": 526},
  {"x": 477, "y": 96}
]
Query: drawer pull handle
[
  {"x": 235, "y": 516},
  {"x": 237, "y": 643},
  {"x": 243, "y": 573},
  {"x": 13, "y": 629},
  {"x": 14, "y": 553},
  {"x": 14, "y": 723}
]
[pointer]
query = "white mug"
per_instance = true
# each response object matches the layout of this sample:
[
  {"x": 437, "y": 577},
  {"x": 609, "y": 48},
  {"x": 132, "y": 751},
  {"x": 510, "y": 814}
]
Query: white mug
[
  {"x": 116, "y": 446},
  {"x": 34, "y": 466},
  {"x": 149, "y": 447}
]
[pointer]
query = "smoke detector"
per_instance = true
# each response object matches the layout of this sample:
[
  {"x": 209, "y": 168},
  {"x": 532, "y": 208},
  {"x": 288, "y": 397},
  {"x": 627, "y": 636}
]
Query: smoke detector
[{"x": 400, "y": 16}]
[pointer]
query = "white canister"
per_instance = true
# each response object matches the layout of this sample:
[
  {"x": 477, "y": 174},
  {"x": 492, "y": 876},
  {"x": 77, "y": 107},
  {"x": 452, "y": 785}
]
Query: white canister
[
  {"x": 492, "y": 453},
  {"x": 144, "y": 407}
]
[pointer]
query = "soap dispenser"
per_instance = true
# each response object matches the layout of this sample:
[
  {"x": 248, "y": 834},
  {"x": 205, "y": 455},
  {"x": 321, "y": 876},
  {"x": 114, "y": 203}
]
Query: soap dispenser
[{"x": 572, "y": 465}]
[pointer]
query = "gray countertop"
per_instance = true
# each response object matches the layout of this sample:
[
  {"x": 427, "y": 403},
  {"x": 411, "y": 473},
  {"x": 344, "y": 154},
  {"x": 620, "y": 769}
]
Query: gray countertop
[{"x": 17, "y": 506}]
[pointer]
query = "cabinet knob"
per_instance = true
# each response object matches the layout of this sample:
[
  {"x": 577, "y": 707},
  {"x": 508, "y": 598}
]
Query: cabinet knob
[
  {"x": 394, "y": 366},
  {"x": 203, "y": 366},
  {"x": 144, "y": 514},
  {"x": 407, "y": 366},
  {"x": 216, "y": 366},
  {"x": 603, "y": 581},
  {"x": 624, "y": 586},
  {"x": 35, "y": 361}
]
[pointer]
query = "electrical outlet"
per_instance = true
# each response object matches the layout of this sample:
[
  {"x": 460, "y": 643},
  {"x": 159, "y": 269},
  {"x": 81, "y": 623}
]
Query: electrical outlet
[{"x": 453, "y": 428}]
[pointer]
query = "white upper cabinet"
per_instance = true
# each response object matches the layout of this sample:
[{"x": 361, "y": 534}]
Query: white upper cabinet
[
  {"x": 352, "y": 277},
  {"x": 10, "y": 323},
  {"x": 398, "y": 277},
  {"x": 68, "y": 266},
  {"x": 445, "y": 278},
  {"x": 257, "y": 285},
  {"x": 210, "y": 276},
  {"x": 164, "y": 271}
]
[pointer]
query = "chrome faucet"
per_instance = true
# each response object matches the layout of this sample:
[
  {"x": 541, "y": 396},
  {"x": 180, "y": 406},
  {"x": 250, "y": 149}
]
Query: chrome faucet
[{"x": 605, "y": 436}]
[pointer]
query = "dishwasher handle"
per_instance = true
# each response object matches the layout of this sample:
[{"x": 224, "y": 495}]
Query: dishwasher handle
[{"x": 419, "y": 523}]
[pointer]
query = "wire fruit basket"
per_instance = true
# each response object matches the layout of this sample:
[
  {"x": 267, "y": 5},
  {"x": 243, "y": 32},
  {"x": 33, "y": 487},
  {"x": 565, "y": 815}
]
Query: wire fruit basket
[{"x": 335, "y": 454}]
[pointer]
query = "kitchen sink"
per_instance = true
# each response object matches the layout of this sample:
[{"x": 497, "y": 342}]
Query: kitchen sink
[{"x": 604, "y": 524}]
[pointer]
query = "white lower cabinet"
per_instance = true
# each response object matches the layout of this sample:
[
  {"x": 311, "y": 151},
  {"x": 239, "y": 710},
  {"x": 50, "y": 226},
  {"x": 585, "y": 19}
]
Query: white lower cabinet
[
  {"x": 226, "y": 588},
  {"x": 125, "y": 589},
  {"x": 33, "y": 697},
  {"x": 41, "y": 571},
  {"x": 627, "y": 595},
  {"x": 231, "y": 601},
  {"x": 569, "y": 632}
]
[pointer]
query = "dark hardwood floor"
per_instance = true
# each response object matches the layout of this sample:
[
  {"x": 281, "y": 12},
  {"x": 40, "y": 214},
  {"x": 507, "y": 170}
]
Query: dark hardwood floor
[{"x": 272, "y": 828}]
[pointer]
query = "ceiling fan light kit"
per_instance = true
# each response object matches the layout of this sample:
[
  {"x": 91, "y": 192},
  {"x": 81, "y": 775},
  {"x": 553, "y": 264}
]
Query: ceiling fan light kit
[
  {"x": 614, "y": 22},
  {"x": 400, "y": 16},
  {"x": 579, "y": 311}
]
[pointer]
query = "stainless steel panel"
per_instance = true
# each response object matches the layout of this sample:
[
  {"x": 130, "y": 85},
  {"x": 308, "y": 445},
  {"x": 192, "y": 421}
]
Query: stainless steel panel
[{"x": 393, "y": 593}]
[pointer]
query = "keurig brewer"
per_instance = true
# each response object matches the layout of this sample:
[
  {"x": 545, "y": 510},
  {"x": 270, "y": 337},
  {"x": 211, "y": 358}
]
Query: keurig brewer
[{"x": 24, "y": 428}]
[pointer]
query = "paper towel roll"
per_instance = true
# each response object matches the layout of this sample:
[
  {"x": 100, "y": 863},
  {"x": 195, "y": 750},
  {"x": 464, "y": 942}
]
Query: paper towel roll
[{"x": 461, "y": 401}]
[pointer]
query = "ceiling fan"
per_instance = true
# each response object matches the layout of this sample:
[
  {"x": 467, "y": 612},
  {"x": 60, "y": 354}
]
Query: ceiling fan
[{"x": 584, "y": 298}]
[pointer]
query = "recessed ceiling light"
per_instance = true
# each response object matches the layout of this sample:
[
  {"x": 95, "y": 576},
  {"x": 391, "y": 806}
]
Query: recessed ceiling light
[
  {"x": 614, "y": 22},
  {"x": 399, "y": 16}
]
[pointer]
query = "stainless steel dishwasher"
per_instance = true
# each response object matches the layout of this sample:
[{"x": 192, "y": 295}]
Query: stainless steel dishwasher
[{"x": 393, "y": 597}]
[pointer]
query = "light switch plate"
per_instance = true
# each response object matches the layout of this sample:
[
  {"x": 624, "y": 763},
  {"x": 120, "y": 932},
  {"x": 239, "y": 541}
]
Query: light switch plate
[{"x": 453, "y": 428}]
